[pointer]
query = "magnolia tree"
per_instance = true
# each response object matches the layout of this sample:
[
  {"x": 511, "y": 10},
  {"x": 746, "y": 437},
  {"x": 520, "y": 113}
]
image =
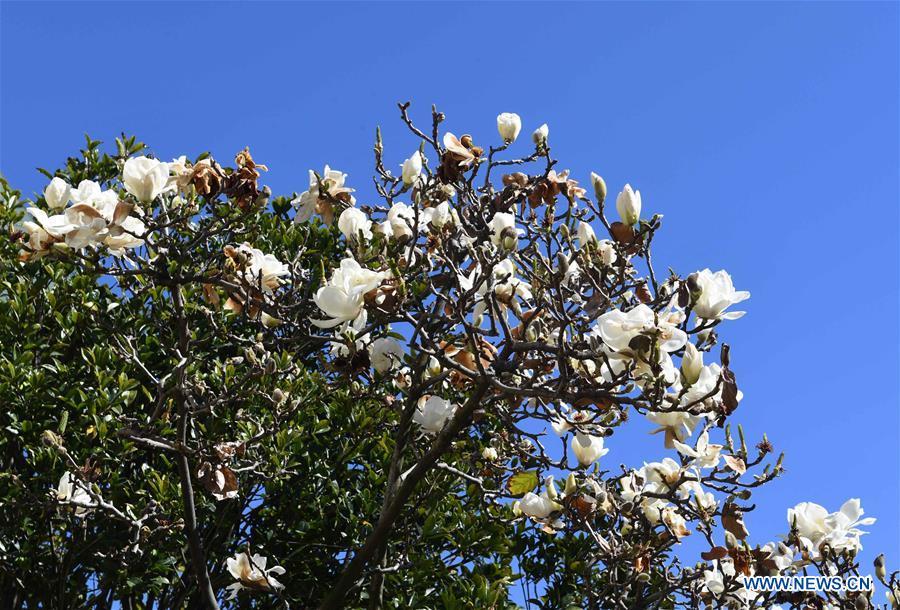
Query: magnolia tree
[{"x": 222, "y": 398}]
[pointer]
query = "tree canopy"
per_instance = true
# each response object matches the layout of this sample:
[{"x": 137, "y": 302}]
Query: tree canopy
[{"x": 221, "y": 397}]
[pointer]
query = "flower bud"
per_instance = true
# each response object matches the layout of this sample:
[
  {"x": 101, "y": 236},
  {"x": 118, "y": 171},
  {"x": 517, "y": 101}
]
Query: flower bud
[
  {"x": 691, "y": 364},
  {"x": 880, "y": 570},
  {"x": 731, "y": 540},
  {"x": 509, "y": 238},
  {"x": 489, "y": 453},
  {"x": 628, "y": 204},
  {"x": 585, "y": 234},
  {"x": 539, "y": 137},
  {"x": 551, "y": 488},
  {"x": 51, "y": 438},
  {"x": 434, "y": 367},
  {"x": 412, "y": 168},
  {"x": 571, "y": 484},
  {"x": 509, "y": 125},
  {"x": 269, "y": 321},
  {"x": 57, "y": 193},
  {"x": 599, "y": 187}
]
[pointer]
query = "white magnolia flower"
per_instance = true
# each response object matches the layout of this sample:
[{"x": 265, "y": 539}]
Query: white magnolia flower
[
  {"x": 71, "y": 489},
  {"x": 646, "y": 374},
  {"x": 263, "y": 270},
  {"x": 607, "y": 252},
  {"x": 85, "y": 192},
  {"x": 839, "y": 530},
  {"x": 536, "y": 506},
  {"x": 401, "y": 219},
  {"x": 251, "y": 573},
  {"x": 489, "y": 453},
  {"x": 509, "y": 125},
  {"x": 81, "y": 225},
  {"x": 57, "y": 193},
  {"x": 702, "y": 392},
  {"x": 617, "y": 329},
  {"x": 432, "y": 413},
  {"x": 145, "y": 178},
  {"x": 90, "y": 193},
  {"x": 125, "y": 234},
  {"x": 717, "y": 293},
  {"x": 704, "y": 499},
  {"x": 353, "y": 222},
  {"x": 705, "y": 455},
  {"x": 503, "y": 230},
  {"x": 343, "y": 297},
  {"x": 412, "y": 169},
  {"x": 439, "y": 215},
  {"x": 585, "y": 234},
  {"x": 677, "y": 425},
  {"x": 308, "y": 202},
  {"x": 54, "y": 226},
  {"x": 893, "y": 597},
  {"x": 181, "y": 173},
  {"x": 628, "y": 204},
  {"x": 714, "y": 580},
  {"x": 540, "y": 134},
  {"x": 674, "y": 521},
  {"x": 385, "y": 353},
  {"x": 588, "y": 449},
  {"x": 503, "y": 281},
  {"x": 691, "y": 363},
  {"x": 780, "y": 554},
  {"x": 39, "y": 241},
  {"x": 665, "y": 473}
]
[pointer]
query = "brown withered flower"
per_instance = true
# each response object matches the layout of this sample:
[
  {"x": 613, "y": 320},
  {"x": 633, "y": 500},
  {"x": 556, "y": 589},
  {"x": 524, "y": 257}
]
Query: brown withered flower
[
  {"x": 546, "y": 190},
  {"x": 466, "y": 357},
  {"x": 459, "y": 155},
  {"x": 208, "y": 177},
  {"x": 242, "y": 184}
]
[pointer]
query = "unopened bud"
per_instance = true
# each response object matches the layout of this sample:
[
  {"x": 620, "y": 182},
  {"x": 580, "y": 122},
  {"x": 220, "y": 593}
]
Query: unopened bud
[
  {"x": 571, "y": 484},
  {"x": 880, "y": 570},
  {"x": 434, "y": 367},
  {"x": 278, "y": 396},
  {"x": 509, "y": 238},
  {"x": 51, "y": 439},
  {"x": 540, "y": 134},
  {"x": 730, "y": 540},
  {"x": 489, "y": 453},
  {"x": 599, "y": 187},
  {"x": 691, "y": 364},
  {"x": 551, "y": 488}
]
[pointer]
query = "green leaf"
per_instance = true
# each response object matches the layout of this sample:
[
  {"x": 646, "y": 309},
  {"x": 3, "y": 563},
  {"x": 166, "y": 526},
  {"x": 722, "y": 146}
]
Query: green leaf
[{"x": 522, "y": 482}]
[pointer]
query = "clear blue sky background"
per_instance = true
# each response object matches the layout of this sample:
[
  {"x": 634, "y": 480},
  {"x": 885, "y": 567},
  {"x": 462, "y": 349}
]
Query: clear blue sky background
[{"x": 767, "y": 134}]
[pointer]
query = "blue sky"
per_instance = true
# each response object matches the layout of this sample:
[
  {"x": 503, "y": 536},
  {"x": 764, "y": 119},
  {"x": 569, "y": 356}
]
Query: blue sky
[{"x": 766, "y": 133}]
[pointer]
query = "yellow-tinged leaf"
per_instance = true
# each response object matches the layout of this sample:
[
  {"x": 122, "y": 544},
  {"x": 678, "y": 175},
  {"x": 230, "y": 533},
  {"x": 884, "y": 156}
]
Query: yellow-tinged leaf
[{"x": 522, "y": 482}]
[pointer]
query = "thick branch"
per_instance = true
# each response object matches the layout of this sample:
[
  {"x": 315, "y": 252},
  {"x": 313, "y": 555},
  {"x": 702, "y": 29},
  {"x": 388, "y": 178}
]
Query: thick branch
[
  {"x": 195, "y": 542},
  {"x": 405, "y": 488}
]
